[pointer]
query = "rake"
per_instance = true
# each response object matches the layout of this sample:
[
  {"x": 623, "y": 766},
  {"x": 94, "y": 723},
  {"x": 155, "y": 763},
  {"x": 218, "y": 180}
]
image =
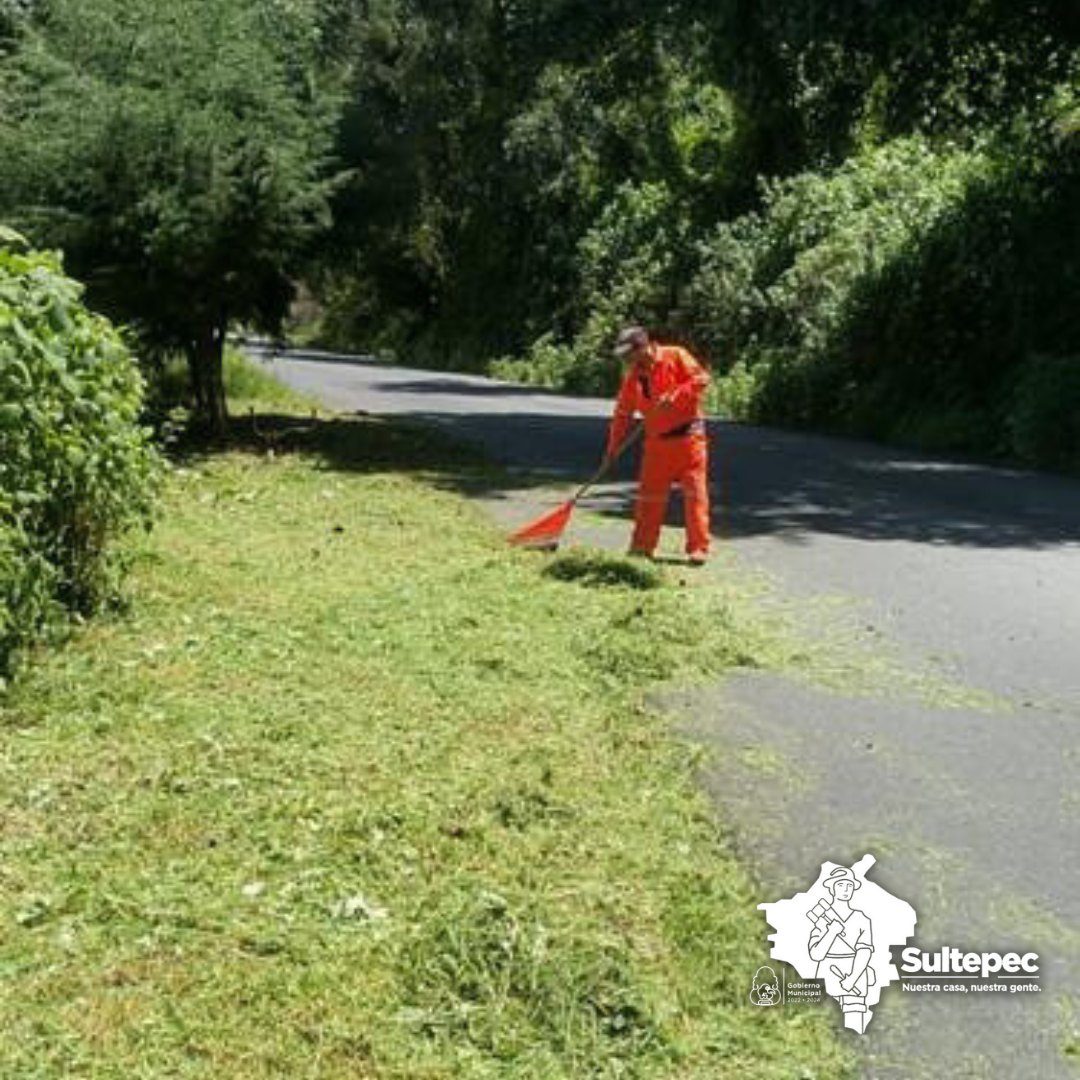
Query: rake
[{"x": 546, "y": 531}]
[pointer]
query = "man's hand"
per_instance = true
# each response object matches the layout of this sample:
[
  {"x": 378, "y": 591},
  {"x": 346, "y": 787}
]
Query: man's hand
[{"x": 848, "y": 985}]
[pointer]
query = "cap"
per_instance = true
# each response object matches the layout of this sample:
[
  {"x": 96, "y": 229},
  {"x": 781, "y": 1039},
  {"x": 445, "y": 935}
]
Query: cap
[
  {"x": 841, "y": 873},
  {"x": 630, "y": 339}
]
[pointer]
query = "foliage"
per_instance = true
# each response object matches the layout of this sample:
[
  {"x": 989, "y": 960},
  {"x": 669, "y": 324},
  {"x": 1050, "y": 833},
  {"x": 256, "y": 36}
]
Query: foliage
[
  {"x": 1043, "y": 423},
  {"x": 77, "y": 472},
  {"x": 813, "y": 195},
  {"x": 562, "y": 185},
  {"x": 781, "y": 286},
  {"x": 627, "y": 265},
  {"x": 902, "y": 294},
  {"x": 823, "y": 81},
  {"x": 545, "y": 364},
  {"x": 12, "y": 14},
  {"x": 487, "y": 145},
  {"x": 177, "y": 152}
]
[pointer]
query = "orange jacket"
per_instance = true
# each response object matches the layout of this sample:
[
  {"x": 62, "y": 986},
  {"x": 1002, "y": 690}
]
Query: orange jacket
[{"x": 668, "y": 395}]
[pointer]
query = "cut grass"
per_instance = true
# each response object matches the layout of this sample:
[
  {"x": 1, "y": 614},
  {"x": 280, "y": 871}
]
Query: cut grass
[{"x": 358, "y": 790}]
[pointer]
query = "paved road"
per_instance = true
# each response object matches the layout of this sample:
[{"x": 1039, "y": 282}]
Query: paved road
[{"x": 965, "y": 571}]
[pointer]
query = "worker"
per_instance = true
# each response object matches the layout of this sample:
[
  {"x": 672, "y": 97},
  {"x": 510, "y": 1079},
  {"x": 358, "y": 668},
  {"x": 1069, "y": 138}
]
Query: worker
[{"x": 664, "y": 384}]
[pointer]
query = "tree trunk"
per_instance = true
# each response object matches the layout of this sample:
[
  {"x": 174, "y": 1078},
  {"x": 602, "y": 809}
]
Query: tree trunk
[{"x": 206, "y": 361}]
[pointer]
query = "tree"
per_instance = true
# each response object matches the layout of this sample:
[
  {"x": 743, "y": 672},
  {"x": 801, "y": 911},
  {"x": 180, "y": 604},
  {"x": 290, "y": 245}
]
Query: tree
[
  {"x": 179, "y": 154},
  {"x": 486, "y": 138}
]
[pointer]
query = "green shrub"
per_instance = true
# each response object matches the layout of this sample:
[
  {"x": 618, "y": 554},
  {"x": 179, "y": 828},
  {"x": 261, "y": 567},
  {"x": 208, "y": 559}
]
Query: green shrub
[
  {"x": 546, "y": 364},
  {"x": 735, "y": 394},
  {"x": 789, "y": 277},
  {"x": 1043, "y": 423},
  {"x": 628, "y": 263},
  {"x": 27, "y": 591},
  {"x": 76, "y": 469},
  {"x": 899, "y": 296}
]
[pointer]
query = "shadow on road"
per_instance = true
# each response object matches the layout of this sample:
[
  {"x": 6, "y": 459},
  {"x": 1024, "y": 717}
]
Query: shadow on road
[
  {"x": 764, "y": 482},
  {"x": 793, "y": 486},
  {"x": 457, "y": 386},
  {"x": 425, "y": 383}
]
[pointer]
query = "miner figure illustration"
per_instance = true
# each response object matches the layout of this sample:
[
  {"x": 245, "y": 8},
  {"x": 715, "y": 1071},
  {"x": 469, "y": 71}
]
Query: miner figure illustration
[{"x": 841, "y": 943}]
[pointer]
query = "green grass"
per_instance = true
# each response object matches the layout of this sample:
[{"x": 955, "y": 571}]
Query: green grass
[
  {"x": 1069, "y": 1030},
  {"x": 358, "y": 790},
  {"x": 249, "y": 386}
]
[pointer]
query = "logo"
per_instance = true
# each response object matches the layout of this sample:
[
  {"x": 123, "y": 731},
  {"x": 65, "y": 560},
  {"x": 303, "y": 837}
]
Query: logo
[
  {"x": 841, "y": 932},
  {"x": 952, "y": 970},
  {"x": 766, "y": 988}
]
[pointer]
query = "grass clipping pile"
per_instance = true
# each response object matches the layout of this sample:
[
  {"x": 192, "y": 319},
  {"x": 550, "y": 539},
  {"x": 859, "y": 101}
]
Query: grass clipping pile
[{"x": 360, "y": 790}]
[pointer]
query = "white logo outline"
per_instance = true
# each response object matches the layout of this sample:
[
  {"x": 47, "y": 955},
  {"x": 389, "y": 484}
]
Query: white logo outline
[
  {"x": 765, "y": 992},
  {"x": 848, "y": 945}
]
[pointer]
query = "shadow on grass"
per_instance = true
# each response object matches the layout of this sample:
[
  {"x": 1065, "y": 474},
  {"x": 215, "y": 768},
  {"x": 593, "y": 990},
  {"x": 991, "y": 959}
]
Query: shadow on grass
[
  {"x": 597, "y": 569},
  {"x": 361, "y": 443}
]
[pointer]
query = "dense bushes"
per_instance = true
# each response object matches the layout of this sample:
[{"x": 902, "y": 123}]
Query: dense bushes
[
  {"x": 922, "y": 291},
  {"x": 76, "y": 471},
  {"x": 906, "y": 294},
  {"x": 779, "y": 292},
  {"x": 629, "y": 262},
  {"x": 1043, "y": 423}
]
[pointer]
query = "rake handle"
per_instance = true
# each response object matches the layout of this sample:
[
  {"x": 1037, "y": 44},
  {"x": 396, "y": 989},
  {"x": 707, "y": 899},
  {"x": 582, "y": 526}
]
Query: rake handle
[{"x": 608, "y": 463}]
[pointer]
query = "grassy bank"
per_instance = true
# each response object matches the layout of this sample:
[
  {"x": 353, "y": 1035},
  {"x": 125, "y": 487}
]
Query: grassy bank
[{"x": 359, "y": 791}]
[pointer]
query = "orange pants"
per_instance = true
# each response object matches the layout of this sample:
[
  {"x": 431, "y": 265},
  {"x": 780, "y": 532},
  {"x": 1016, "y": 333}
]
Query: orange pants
[{"x": 683, "y": 460}]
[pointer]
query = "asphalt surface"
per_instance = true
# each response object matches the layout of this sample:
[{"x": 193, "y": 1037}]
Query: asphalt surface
[{"x": 966, "y": 573}]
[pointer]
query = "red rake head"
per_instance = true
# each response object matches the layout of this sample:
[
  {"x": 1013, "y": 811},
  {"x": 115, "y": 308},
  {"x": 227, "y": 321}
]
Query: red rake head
[{"x": 546, "y": 531}]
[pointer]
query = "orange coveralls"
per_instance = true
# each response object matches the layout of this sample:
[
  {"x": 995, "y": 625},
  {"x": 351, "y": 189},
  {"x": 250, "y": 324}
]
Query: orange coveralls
[{"x": 668, "y": 395}]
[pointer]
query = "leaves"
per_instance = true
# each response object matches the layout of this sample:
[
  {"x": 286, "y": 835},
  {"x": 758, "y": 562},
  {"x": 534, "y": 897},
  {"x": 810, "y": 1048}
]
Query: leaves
[
  {"x": 178, "y": 153},
  {"x": 76, "y": 471}
]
